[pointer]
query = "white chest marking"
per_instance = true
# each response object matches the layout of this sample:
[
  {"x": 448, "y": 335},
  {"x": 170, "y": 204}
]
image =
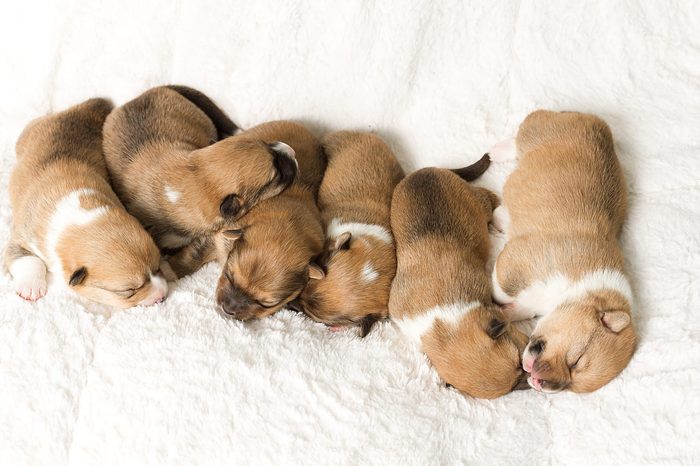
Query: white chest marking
[
  {"x": 415, "y": 327},
  {"x": 543, "y": 297},
  {"x": 337, "y": 228},
  {"x": 368, "y": 273},
  {"x": 68, "y": 213},
  {"x": 172, "y": 195}
]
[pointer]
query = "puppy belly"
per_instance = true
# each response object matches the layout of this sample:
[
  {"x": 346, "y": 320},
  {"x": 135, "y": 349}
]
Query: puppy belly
[{"x": 29, "y": 277}]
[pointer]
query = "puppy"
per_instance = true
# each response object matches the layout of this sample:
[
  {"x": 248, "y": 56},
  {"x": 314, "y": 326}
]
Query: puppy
[
  {"x": 359, "y": 260},
  {"x": 441, "y": 295},
  {"x": 268, "y": 254},
  {"x": 177, "y": 168},
  {"x": 566, "y": 203},
  {"x": 67, "y": 218}
]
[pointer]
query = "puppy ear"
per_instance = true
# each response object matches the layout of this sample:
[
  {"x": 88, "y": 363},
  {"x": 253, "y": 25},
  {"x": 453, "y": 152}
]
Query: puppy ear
[
  {"x": 233, "y": 234},
  {"x": 615, "y": 321},
  {"x": 343, "y": 241},
  {"x": 230, "y": 206},
  {"x": 78, "y": 276},
  {"x": 366, "y": 324},
  {"x": 496, "y": 328},
  {"x": 315, "y": 271}
]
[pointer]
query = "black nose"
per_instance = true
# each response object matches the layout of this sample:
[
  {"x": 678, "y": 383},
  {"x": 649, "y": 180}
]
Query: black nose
[
  {"x": 536, "y": 347},
  {"x": 285, "y": 165}
]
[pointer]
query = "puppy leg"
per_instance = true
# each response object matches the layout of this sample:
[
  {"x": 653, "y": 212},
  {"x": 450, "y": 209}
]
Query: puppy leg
[
  {"x": 192, "y": 257},
  {"x": 28, "y": 272},
  {"x": 504, "y": 151}
]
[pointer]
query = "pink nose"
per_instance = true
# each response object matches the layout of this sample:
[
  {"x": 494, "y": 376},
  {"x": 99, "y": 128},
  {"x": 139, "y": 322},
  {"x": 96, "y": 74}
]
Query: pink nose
[{"x": 160, "y": 300}]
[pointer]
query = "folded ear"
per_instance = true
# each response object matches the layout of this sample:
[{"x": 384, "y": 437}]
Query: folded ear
[
  {"x": 78, "y": 276},
  {"x": 343, "y": 241},
  {"x": 315, "y": 271},
  {"x": 615, "y": 321},
  {"x": 496, "y": 328},
  {"x": 233, "y": 234}
]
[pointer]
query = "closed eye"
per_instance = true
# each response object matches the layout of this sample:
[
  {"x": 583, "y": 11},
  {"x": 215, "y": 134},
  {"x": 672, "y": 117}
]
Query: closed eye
[
  {"x": 573, "y": 366},
  {"x": 267, "y": 304}
]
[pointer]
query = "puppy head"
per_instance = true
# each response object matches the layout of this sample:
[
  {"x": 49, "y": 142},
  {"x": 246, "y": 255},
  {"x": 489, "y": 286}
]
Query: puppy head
[
  {"x": 238, "y": 172},
  {"x": 113, "y": 261},
  {"x": 266, "y": 265},
  {"x": 582, "y": 345},
  {"x": 479, "y": 355},
  {"x": 355, "y": 287}
]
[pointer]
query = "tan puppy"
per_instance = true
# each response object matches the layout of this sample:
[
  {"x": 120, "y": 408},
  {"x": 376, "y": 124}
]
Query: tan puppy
[
  {"x": 441, "y": 296},
  {"x": 359, "y": 258},
  {"x": 177, "y": 170},
  {"x": 267, "y": 255},
  {"x": 567, "y": 202},
  {"x": 67, "y": 218}
]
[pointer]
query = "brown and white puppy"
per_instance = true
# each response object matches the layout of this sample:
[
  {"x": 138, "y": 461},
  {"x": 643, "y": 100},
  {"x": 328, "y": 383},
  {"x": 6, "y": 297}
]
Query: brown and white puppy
[
  {"x": 177, "y": 168},
  {"x": 268, "y": 254},
  {"x": 566, "y": 203},
  {"x": 359, "y": 260},
  {"x": 67, "y": 218},
  {"x": 441, "y": 295}
]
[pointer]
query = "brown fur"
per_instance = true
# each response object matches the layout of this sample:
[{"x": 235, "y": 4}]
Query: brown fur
[
  {"x": 440, "y": 224},
  {"x": 163, "y": 142},
  {"x": 267, "y": 255},
  {"x": 567, "y": 203},
  {"x": 357, "y": 187},
  {"x": 56, "y": 156}
]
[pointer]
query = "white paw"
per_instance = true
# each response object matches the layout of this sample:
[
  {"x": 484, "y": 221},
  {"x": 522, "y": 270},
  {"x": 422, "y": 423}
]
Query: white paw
[
  {"x": 501, "y": 219},
  {"x": 504, "y": 151},
  {"x": 29, "y": 277},
  {"x": 31, "y": 290}
]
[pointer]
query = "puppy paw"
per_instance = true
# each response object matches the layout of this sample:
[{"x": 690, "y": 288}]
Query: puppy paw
[
  {"x": 501, "y": 219},
  {"x": 503, "y": 151},
  {"x": 167, "y": 271},
  {"x": 31, "y": 289}
]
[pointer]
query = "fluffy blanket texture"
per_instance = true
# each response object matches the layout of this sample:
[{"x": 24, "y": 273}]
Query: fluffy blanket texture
[{"x": 441, "y": 82}]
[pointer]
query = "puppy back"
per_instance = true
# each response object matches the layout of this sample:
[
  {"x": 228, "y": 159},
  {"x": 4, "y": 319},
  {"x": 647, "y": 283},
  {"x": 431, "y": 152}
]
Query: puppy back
[{"x": 224, "y": 126}]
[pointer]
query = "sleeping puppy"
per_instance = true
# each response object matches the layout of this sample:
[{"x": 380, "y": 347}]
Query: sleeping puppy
[
  {"x": 441, "y": 295},
  {"x": 566, "y": 203},
  {"x": 359, "y": 260},
  {"x": 67, "y": 218},
  {"x": 177, "y": 168},
  {"x": 268, "y": 254}
]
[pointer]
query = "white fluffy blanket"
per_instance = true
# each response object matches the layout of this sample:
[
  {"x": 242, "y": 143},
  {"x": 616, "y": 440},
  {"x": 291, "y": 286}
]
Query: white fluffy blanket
[{"x": 441, "y": 81}]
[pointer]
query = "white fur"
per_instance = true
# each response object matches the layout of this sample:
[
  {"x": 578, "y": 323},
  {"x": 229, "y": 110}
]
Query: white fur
[
  {"x": 415, "y": 327},
  {"x": 337, "y": 228},
  {"x": 172, "y": 194},
  {"x": 159, "y": 290},
  {"x": 504, "y": 151},
  {"x": 68, "y": 213},
  {"x": 284, "y": 148},
  {"x": 29, "y": 277},
  {"x": 500, "y": 296},
  {"x": 501, "y": 219},
  {"x": 543, "y": 297},
  {"x": 368, "y": 273}
]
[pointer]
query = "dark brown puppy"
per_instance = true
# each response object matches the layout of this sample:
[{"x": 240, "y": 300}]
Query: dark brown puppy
[
  {"x": 441, "y": 295},
  {"x": 267, "y": 255},
  {"x": 176, "y": 167}
]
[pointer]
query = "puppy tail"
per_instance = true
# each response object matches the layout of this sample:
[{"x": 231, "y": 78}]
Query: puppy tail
[
  {"x": 224, "y": 126},
  {"x": 475, "y": 170}
]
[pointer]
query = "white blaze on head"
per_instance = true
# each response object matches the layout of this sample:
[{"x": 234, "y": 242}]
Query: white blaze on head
[
  {"x": 172, "y": 195},
  {"x": 69, "y": 212},
  {"x": 368, "y": 273},
  {"x": 159, "y": 290}
]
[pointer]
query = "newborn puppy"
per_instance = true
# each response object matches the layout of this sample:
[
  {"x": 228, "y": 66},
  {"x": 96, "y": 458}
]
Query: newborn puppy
[
  {"x": 359, "y": 260},
  {"x": 567, "y": 202},
  {"x": 177, "y": 168},
  {"x": 441, "y": 295},
  {"x": 267, "y": 255},
  {"x": 67, "y": 218}
]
